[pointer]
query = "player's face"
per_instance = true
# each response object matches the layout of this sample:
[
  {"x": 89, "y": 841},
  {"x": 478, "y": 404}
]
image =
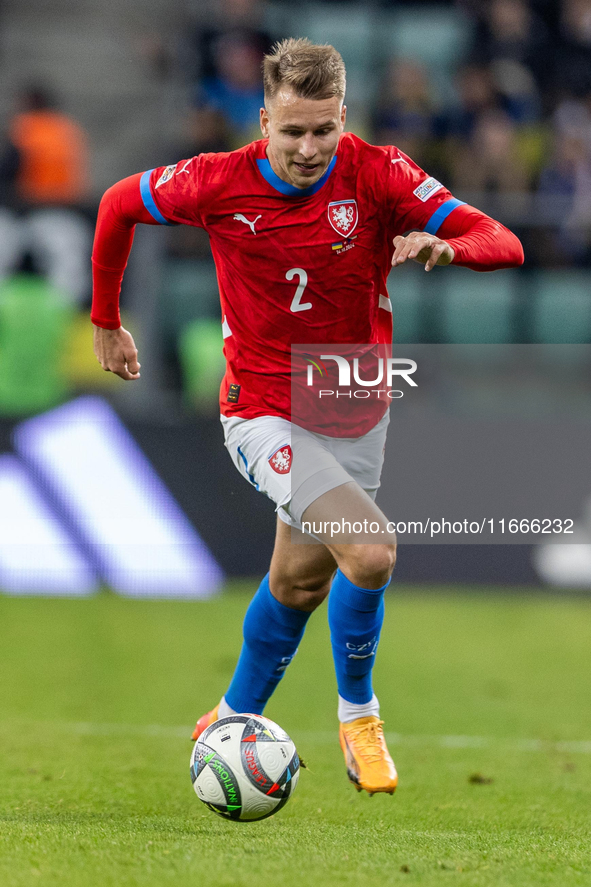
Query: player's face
[{"x": 303, "y": 135}]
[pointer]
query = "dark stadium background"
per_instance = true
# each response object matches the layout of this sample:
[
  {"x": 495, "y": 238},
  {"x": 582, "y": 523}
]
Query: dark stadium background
[{"x": 492, "y": 98}]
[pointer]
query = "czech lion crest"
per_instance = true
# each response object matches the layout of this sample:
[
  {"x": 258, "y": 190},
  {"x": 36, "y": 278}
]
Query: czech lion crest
[
  {"x": 280, "y": 461},
  {"x": 343, "y": 216}
]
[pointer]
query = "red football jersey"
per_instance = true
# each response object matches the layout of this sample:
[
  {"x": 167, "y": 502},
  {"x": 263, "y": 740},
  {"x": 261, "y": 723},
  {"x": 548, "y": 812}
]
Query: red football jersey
[{"x": 296, "y": 266}]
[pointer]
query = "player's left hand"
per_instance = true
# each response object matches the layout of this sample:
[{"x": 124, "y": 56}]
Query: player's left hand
[{"x": 424, "y": 248}]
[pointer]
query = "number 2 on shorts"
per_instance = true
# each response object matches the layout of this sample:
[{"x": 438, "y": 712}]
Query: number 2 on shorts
[{"x": 296, "y": 304}]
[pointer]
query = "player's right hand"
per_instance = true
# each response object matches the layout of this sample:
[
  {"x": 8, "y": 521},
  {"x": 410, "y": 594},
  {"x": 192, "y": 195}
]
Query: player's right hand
[{"x": 116, "y": 352}]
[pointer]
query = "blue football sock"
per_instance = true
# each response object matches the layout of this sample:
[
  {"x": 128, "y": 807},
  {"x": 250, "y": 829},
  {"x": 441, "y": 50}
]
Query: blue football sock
[
  {"x": 355, "y": 617},
  {"x": 272, "y": 633}
]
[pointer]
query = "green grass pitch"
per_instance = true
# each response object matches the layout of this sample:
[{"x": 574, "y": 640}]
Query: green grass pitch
[{"x": 487, "y": 701}]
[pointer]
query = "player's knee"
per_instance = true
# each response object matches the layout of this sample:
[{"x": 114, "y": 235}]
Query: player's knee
[
  {"x": 369, "y": 566},
  {"x": 301, "y": 593}
]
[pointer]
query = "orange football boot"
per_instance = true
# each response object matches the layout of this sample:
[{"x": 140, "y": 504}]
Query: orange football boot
[
  {"x": 204, "y": 722},
  {"x": 369, "y": 765}
]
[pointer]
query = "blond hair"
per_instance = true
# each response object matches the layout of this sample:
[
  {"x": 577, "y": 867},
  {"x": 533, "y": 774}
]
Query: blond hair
[{"x": 313, "y": 71}]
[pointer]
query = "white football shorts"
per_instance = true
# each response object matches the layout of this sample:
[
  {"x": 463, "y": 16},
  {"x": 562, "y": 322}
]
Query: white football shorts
[{"x": 261, "y": 450}]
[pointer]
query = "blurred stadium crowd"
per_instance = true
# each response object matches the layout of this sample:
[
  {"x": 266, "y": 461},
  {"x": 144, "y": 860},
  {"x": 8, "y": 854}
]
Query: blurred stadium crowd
[{"x": 493, "y": 97}]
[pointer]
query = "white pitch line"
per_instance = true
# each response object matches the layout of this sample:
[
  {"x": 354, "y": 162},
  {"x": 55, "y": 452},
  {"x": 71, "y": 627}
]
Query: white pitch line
[{"x": 325, "y": 737}]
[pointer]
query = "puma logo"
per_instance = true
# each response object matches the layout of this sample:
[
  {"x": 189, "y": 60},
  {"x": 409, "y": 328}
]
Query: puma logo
[
  {"x": 240, "y": 218},
  {"x": 184, "y": 168}
]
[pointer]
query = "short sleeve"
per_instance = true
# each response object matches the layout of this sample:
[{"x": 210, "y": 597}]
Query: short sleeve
[
  {"x": 415, "y": 200},
  {"x": 172, "y": 194}
]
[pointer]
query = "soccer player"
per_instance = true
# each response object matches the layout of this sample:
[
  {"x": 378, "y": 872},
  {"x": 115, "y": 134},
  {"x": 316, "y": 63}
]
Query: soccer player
[{"x": 272, "y": 210}]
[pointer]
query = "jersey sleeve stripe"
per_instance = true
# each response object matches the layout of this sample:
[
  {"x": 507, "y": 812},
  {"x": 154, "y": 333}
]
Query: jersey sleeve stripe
[
  {"x": 146, "y": 193},
  {"x": 441, "y": 214}
]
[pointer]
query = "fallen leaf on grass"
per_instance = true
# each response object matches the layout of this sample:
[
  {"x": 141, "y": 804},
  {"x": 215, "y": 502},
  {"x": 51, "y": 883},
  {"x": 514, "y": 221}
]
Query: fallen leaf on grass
[{"x": 479, "y": 779}]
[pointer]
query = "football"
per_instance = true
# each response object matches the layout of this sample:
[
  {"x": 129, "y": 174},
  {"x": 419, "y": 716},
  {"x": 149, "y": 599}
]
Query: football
[{"x": 244, "y": 767}]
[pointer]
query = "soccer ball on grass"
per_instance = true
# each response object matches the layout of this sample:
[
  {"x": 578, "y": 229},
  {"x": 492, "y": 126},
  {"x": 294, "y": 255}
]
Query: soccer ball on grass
[{"x": 244, "y": 767}]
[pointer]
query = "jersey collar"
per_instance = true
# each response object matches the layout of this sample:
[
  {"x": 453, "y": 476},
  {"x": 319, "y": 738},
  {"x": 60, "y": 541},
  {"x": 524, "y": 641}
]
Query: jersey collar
[{"x": 291, "y": 190}]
